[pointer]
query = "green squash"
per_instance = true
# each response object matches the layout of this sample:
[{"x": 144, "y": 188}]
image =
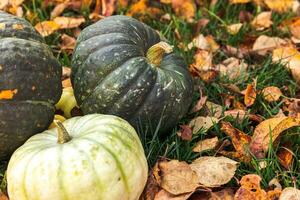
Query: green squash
[
  {"x": 120, "y": 66},
  {"x": 94, "y": 157},
  {"x": 30, "y": 83}
]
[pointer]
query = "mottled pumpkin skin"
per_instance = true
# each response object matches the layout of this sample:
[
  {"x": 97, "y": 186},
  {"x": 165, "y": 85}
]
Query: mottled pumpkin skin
[
  {"x": 104, "y": 160},
  {"x": 111, "y": 74},
  {"x": 28, "y": 67}
]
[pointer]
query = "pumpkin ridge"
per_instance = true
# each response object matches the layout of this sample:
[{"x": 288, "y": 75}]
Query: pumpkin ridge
[{"x": 118, "y": 164}]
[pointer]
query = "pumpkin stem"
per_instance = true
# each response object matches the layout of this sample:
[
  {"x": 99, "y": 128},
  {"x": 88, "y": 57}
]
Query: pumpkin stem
[
  {"x": 63, "y": 135},
  {"x": 157, "y": 51}
]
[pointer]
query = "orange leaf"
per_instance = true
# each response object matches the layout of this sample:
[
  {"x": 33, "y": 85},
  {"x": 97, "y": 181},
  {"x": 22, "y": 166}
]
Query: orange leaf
[
  {"x": 3, "y": 196},
  {"x": 7, "y": 94},
  {"x": 46, "y": 28},
  {"x": 184, "y": 8},
  {"x": 285, "y": 157},
  {"x": 250, "y": 95},
  {"x": 66, "y": 83},
  {"x": 279, "y": 5},
  {"x": 68, "y": 22}
]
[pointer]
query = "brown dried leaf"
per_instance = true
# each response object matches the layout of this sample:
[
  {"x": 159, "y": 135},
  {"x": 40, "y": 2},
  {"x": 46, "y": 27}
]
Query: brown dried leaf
[
  {"x": 108, "y": 7},
  {"x": 274, "y": 194},
  {"x": 250, "y": 189},
  {"x": 206, "y": 144},
  {"x": 3, "y": 196},
  {"x": 214, "y": 171},
  {"x": 239, "y": 1},
  {"x": 203, "y": 60},
  {"x": 152, "y": 187},
  {"x": 290, "y": 193},
  {"x": 176, "y": 177},
  {"x": 225, "y": 194},
  {"x": 271, "y": 127},
  {"x": 68, "y": 43},
  {"x": 59, "y": 9},
  {"x": 213, "y": 110},
  {"x": 185, "y": 132},
  {"x": 200, "y": 103},
  {"x": 264, "y": 44},
  {"x": 233, "y": 29},
  {"x": 271, "y": 93},
  {"x": 250, "y": 95},
  {"x": 291, "y": 57},
  {"x": 68, "y": 22},
  {"x": 185, "y": 9},
  {"x": 202, "y": 123},
  {"x": 164, "y": 195},
  {"x": 262, "y": 21},
  {"x": 285, "y": 157},
  {"x": 46, "y": 28},
  {"x": 294, "y": 108},
  {"x": 233, "y": 68}
]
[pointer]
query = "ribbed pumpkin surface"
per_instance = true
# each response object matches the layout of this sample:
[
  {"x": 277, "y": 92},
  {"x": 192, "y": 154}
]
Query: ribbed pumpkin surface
[{"x": 111, "y": 74}]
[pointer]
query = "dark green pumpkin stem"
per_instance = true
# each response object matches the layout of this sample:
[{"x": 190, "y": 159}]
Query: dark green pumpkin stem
[
  {"x": 62, "y": 135},
  {"x": 157, "y": 51}
]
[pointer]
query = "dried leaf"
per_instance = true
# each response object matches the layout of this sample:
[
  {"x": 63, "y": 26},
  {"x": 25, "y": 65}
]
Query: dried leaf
[
  {"x": 59, "y": 9},
  {"x": 176, "y": 177},
  {"x": 290, "y": 193},
  {"x": 262, "y": 21},
  {"x": 151, "y": 189},
  {"x": 279, "y": 5},
  {"x": 240, "y": 141},
  {"x": 294, "y": 108},
  {"x": 68, "y": 22},
  {"x": 213, "y": 110},
  {"x": 68, "y": 43},
  {"x": 46, "y": 28},
  {"x": 274, "y": 194},
  {"x": 233, "y": 68},
  {"x": 3, "y": 196},
  {"x": 202, "y": 123},
  {"x": 185, "y": 132},
  {"x": 250, "y": 189},
  {"x": 164, "y": 195},
  {"x": 199, "y": 42},
  {"x": 267, "y": 130},
  {"x": 239, "y": 1},
  {"x": 108, "y": 7},
  {"x": 203, "y": 60},
  {"x": 66, "y": 83},
  {"x": 7, "y": 94},
  {"x": 271, "y": 93},
  {"x": 285, "y": 157},
  {"x": 250, "y": 95},
  {"x": 264, "y": 44},
  {"x": 225, "y": 194},
  {"x": 206, "y": 144},
  {"x": 233, "y": 29},
  {"x": 291, "y": 57},
  {"x": 185, "y": 9},
  {"x": 214, "y": 171},
  {"x": 200, "y": 103}
]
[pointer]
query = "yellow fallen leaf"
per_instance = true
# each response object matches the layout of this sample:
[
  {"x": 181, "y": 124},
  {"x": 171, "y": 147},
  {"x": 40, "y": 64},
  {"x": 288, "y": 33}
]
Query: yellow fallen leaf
[
  {"x": 7, "y": 94},
  {"x": 203, "y": 60},
  {"x": 233, "y": 69},
  {"x": 291, "y": 57},
  {"x": 290, "y": 193},
  {"x": 233, "y": 29},
  {"x": 185, "y": 9},
  {"x": 46, "y": 28},
  {"x": 68, "y": 22},
  {"x": 239, "y": 1},
  {"x": 206, "y": 144},
  {"x": 270, "y": 130},
  {"x": 213, "y": 109},
  {"x": 176, "y": 177},
  {"x": 279, "y": 5},
  {"x": 214, "y": 171},
  {"x": 263, "y": 44},
  {"x": 271, "y": 93},
  {"x": 262, "y": 21},
  {"x": 205, "y": 43},
  {"x": 250, "y": 95}
]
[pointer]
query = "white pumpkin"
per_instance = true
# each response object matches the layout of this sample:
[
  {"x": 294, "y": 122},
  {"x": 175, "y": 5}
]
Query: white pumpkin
[{"x": 101, "y": 159}]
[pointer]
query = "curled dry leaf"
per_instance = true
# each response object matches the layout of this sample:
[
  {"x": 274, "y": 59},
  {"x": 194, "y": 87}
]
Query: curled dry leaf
[
  {"x": 250, "y": 95},
  {"x": 279, "y": 5},
  {"x": 59, "y": 9},
  {"x": 291, "y": 57},
  {"x": 68, "y": 43},
  {"x": 200, "y": 103},
  {"x": 68, "y": 22},
  {"x": 271, "y": 93},
  {"x": 285, "y": 157},
  {"x": 66, "y": 73},
  {"x": 202, "y": 123},
  {"x": 108, "y": 7},
  {"x": 267, "y": 130},
  {"x": 185, "y": 132},
  {"x": 164, "y": 195},
  {"x": 233, "y": 29},
  {"x": 203, "y": 60},
  {"x": 250, "y": 189},
  {"x": 294, "y": 108},
  {"x": 233, "y": 68},
  {"x": 262, "y": 21},
  {"x": 46, "y": 28},
  {"x": 206, "y": 144},
  {"x": 240, "y": 115},
  {"x": 290, "y": 193},
  {"x": 176, "y": 177},
  {"x": 275, "y": 183},
  {"x": 264, "y": 44},
  {"x": 152, "y": 187},
  {"x": 214, "y": 171},
  {"x": 240, "y": 142}
]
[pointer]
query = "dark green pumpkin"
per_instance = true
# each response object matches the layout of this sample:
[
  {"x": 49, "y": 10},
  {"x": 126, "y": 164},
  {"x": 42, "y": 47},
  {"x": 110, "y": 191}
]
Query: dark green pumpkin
[
  {"x": 112, "y": 74},
  {"x": 27, "y": 67}
]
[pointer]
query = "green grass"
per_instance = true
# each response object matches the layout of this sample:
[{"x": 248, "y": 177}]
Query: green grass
[{"x": 266, "y": 72}]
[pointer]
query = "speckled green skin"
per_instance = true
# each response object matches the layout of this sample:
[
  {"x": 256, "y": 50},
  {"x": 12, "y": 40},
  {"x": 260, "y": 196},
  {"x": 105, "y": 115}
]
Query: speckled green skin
[
  {"x": 28, "y": 66},
  {"x": 111, "y": 75}
]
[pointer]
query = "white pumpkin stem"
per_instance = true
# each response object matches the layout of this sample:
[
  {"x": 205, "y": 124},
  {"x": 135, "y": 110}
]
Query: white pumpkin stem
[
  {"x": 62, "y": 135},
  {"x": 157, "y": 51}
]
